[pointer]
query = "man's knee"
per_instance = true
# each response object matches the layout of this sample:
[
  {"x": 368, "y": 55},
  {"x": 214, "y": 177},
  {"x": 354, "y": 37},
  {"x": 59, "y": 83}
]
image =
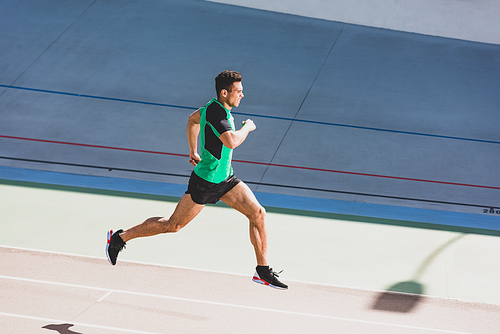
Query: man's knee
[
  {"x": 175, "y": 228},
  {"x": 174, "y": 225},
  {"x": 262, "y": 211},
  {"x": 259, "y": 213}
]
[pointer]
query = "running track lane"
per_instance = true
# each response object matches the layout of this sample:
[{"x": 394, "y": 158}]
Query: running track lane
[
  {"x": 253, "y": 162},
  {"x": 247, "y": 114}
]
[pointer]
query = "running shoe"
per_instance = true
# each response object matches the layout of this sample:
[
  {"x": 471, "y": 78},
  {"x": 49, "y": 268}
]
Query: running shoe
[
  {"x": 114, "y": 245},
  {"x": 266, "y": 276}
]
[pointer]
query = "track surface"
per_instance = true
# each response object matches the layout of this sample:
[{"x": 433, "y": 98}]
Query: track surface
[{"x": 70, "y": 294}]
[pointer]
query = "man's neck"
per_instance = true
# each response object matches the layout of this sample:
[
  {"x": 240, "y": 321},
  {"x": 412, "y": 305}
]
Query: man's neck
[{"x": 224, "y": 104}]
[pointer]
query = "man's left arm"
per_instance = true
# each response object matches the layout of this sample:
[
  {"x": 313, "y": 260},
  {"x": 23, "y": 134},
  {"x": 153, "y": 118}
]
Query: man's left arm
[{"x": 233, "y": 139}]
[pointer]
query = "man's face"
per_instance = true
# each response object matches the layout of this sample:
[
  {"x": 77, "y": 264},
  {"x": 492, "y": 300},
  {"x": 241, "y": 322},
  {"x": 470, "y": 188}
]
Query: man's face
[{"x": 236, "y": 94}]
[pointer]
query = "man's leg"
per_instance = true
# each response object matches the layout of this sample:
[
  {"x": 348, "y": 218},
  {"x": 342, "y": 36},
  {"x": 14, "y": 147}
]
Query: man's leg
[
  {"x": 243, "y": 200},
  {"x": 185, "y": 211}
]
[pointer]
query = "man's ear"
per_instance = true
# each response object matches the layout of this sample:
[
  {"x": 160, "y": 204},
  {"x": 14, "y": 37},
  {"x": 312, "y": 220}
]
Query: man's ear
[{"x": 223, "y": 93}]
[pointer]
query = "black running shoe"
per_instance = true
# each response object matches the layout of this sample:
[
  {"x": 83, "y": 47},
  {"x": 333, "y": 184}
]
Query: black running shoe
[
  {"x": 114, "y": 245},
  {"x": 266, "y": 276}
]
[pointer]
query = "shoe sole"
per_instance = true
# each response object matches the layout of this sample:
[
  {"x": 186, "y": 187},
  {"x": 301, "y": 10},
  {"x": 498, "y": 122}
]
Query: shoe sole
[
  {"x": 110, "y": 234},
  {"x": 261, "y": 281}
]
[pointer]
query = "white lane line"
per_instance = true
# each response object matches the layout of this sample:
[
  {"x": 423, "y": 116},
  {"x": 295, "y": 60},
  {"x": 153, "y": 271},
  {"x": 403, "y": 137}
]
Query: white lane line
[
  {"x": 255, "y": 308},
  {"x": 58, "y": 321},
  {"x": 242, "y": 275},
  {"x": 54, "y": 283},
  {"x": 106, "y": 295}
]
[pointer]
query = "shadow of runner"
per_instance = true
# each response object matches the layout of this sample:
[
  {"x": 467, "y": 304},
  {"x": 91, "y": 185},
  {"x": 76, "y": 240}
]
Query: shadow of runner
[
  {"x": 404, "y": 296},
  {"x": 62, "y": 328},
  {"x": 401, "y": 297}
]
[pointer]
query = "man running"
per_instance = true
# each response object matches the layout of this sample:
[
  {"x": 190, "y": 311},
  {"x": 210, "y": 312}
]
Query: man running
[{"x": 212, "y": 178}]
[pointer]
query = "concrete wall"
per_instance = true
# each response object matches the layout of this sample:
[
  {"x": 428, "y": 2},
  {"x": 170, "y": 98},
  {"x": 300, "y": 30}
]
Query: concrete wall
[{"x": 473, "y": 20}]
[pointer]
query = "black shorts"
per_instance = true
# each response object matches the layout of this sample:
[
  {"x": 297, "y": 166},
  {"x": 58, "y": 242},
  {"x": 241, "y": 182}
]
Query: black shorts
[{"x": 204, "y": 192}]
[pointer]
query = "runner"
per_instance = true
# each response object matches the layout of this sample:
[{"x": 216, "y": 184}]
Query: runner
[{"x": 212, "y": 178}]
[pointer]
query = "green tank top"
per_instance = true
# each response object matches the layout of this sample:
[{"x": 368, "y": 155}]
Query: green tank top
[{"x": 215, "y": 165}]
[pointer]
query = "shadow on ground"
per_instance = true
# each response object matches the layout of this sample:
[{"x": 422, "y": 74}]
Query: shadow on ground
[
  {"x": 61, "y": 328},
  {"x": 402, "y": 297}
]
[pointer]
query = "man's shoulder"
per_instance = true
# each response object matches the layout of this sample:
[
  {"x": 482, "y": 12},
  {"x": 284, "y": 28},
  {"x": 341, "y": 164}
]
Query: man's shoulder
[{"x": 214, "y": 109}]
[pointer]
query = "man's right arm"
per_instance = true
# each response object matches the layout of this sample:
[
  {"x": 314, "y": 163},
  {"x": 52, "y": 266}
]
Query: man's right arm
[{"x": 193, "y": 129}]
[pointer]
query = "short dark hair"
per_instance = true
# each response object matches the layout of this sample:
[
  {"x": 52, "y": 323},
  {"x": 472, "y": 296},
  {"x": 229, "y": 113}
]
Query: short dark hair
[{"x": 225, "y": 81}]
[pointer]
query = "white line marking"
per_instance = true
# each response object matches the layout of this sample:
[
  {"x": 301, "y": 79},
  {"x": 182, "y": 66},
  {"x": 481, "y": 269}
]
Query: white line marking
[
  {"x": 104, "y": 297},
  {"x": 56, "y": 321},
  {"x": 55, "y": 283},
  {"x": 198, "y": 301},
  {"x": 245, "y": 275},
  {"x": 131, "y": 261}
]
